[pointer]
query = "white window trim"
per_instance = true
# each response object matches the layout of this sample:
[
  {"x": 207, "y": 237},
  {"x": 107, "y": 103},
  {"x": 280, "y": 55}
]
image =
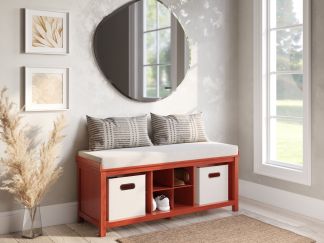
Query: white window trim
[
  {"x": 158, "y": 64},
  {"x": 303, "y": 175}
]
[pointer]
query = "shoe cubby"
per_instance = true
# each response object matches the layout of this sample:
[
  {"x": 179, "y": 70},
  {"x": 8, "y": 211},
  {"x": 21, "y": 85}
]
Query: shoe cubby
[
  {"x": 163, "y": 180},
  {"x": 183, "y": 177},
  {"x": 183, "y": 196},
  {"x": 176, "y": 184},
  {"x": 183, "y": 187},
  {"x": 169, "y": 194}
]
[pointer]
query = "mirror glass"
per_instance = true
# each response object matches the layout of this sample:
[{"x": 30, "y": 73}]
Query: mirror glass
[{"x": 142, "y": 49}]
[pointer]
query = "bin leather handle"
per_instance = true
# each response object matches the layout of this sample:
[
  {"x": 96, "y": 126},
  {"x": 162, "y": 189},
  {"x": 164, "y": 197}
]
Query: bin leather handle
[
  {"x": 129, "y": 186},
  {"x": 214, "y": 174}
]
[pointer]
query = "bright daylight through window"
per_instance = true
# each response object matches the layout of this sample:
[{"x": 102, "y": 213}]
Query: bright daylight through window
[
  {"x": 157, "y": 51},
  {"x": 282, "y": 89}
]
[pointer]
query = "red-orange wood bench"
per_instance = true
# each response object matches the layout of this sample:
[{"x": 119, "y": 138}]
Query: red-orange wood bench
[{"x": 157, "y": 163}]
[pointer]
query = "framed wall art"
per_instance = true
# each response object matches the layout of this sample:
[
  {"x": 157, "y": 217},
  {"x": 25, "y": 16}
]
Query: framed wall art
[
  {"x": 46, "y": 32},
  {"x": 46, "y": 89}
]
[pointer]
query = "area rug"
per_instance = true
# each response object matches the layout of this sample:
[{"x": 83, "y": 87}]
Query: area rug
[{"x": 240, "y": 229}]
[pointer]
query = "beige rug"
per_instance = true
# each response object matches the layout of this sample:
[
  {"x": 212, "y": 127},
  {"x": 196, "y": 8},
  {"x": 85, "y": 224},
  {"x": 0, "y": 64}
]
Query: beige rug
[{"x": 240, "y": 229}]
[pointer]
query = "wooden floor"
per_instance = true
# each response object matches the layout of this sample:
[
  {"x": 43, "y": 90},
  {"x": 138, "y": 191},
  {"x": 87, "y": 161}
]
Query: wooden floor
[{"x": 85, "y": 233}]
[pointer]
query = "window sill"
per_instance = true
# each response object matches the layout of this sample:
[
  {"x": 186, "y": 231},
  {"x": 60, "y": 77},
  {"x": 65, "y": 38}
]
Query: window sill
[{"x": 284, "y": 173}]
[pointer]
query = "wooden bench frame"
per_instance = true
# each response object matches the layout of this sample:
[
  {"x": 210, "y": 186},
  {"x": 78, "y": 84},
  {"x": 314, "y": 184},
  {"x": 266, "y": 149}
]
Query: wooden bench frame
[{"x": 93, "y": 190}]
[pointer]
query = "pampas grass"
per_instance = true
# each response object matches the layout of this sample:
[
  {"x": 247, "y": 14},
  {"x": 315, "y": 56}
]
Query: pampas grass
[
  {"x": 47, "y": 32},
  {"x": 28, "y": 171}
]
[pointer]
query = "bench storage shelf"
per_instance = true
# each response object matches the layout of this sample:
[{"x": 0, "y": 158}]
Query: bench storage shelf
[{"x": 94, "y": 182}]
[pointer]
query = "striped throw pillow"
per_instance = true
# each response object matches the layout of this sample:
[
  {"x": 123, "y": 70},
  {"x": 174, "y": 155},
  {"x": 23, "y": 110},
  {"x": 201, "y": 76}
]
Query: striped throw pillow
[
  {"x": 178, "y": 129},
  {"x": 117, "y": 132}
]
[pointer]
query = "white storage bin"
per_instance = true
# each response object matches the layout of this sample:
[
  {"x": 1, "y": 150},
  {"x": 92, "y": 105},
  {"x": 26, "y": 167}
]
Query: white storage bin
[
  {"x": 211, "y": 184},
  {"x": 126, "y": 197}
]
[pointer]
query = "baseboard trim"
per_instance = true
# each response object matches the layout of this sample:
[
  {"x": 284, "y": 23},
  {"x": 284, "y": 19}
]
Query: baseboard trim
[
  {"x": 294, "y": 202},
  {"x": 67, "y": 213},
  {"x": 51, "y": 215}
]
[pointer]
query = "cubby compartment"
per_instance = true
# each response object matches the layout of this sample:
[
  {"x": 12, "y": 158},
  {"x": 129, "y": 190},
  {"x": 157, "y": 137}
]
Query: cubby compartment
[
  {"x": 169, "y": 194},
  {"x": 162, "y": 180},
  {"x": 183, "y": 177},
  {"x": 183, "y": 196}
]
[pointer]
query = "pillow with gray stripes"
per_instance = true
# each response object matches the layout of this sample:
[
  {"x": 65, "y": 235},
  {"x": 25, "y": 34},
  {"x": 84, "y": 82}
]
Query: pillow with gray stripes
[
  {"x": 178, "y": 129},
  {"x": 117, "y": 132}
]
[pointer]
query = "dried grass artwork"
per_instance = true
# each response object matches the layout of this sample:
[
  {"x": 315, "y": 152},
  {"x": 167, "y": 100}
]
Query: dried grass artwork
[{"x": 47, "y": 32}]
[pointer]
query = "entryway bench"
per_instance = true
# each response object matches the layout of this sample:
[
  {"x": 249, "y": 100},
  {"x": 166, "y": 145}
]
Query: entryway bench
[{"x": 116, "y": 187}]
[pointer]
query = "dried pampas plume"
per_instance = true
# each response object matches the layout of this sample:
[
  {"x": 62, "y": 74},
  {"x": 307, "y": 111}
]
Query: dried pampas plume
[
  {"x": 28, "y": 171},
  {"x": 47, "y": 32}
]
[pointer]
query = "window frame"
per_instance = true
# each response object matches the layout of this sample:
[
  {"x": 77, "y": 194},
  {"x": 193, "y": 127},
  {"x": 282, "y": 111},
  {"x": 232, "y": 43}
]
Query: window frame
[
  {"x": 301, "y": 175},
  {"x": 157, "y": 65}
]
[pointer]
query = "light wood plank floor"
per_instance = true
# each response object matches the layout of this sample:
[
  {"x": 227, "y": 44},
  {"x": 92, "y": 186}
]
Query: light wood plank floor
[{"x": 85, "y": 233}]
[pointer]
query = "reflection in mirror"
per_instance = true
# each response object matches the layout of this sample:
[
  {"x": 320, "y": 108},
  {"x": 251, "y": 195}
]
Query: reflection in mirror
[{"x": 142, "y": 50}]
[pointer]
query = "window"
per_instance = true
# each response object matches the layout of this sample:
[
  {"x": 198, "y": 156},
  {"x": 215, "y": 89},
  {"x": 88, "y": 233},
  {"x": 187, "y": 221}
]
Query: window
[
  {"x": 157, "y": 50},
  {"x": 282, "y": 89}
]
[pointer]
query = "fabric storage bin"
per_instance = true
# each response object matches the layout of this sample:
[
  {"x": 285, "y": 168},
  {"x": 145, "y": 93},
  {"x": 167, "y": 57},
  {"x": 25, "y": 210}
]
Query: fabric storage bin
[
  {"x": 211, "y": 184},
  {"x": 126, "y": 197}
]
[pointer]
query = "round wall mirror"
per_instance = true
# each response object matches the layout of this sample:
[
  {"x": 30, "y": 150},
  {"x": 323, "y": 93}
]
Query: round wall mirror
[{"x": 142, "y": 49}]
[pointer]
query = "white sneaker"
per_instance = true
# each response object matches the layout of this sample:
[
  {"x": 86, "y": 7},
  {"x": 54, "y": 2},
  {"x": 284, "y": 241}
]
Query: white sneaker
[
  {"x": 163, "y": 203},
  {"x": 153, "y": 204}
]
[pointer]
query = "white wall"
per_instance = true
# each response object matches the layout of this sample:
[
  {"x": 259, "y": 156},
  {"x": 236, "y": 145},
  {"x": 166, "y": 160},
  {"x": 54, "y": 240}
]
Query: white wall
[
  {"x": 245, "y": 86},
  {"x": 210, "y": 86}
]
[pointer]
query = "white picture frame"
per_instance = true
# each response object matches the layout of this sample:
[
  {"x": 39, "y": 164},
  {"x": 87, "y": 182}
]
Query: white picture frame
[
  {"x": 46, "y": 89},
  {"x": 46, "y": 32}
]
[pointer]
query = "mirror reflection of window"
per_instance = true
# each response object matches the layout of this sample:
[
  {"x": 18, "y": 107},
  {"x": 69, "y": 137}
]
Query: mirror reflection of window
[
  {"x": 142, "y": 50},
  {"x": 156, "y": 50}
]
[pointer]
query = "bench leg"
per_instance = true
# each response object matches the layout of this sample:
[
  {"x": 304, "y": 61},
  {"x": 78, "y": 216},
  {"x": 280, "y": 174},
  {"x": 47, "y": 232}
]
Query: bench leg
[
  {"x": 233, "y": 184},
  {"x": 102, "y": 230},
  {"x": 235, "y": 207},
  {"x": 80, "y": 220},
  {"x": 103, "y": 205}
]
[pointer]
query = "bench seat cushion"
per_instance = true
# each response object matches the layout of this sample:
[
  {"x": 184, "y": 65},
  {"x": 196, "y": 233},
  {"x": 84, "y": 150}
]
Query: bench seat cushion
[{"x": 127, "y": 157}]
